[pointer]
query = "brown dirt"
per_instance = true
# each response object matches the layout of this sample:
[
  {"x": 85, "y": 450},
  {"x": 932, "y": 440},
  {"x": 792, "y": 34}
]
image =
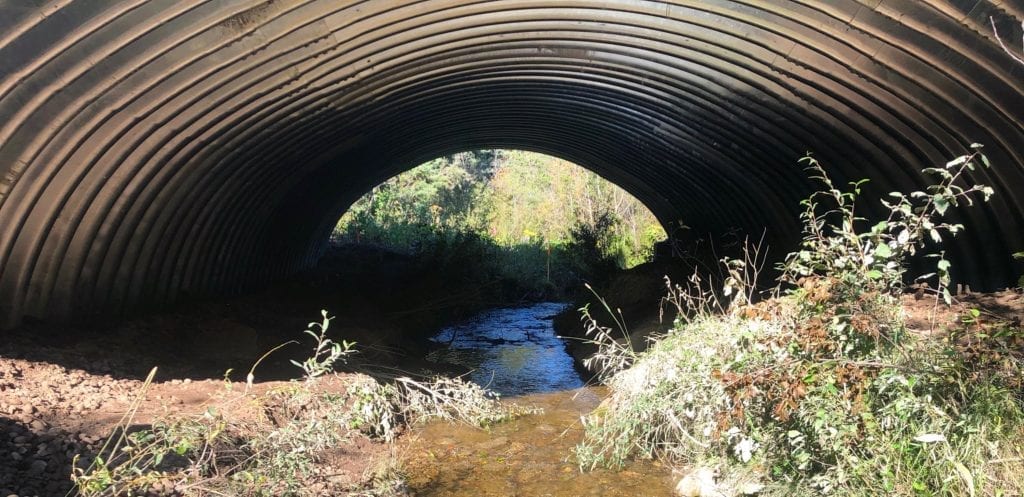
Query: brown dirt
[
  {"x": 65, "y": 387},
  {"x": 924, "y": 314},
  {"x": 49, "y": 413}
]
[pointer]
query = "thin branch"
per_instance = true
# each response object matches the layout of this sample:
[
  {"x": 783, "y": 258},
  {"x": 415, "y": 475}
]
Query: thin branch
[{"x": 1001, "y": 44}]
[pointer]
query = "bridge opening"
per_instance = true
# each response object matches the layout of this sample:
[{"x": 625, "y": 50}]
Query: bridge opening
[{"x": 539, "y": 224}]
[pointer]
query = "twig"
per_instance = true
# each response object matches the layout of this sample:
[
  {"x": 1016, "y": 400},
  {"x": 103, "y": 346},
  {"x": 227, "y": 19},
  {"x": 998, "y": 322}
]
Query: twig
[
  {"x": 1006, "y": 460},
  {"x": 1006, "y": 49}
]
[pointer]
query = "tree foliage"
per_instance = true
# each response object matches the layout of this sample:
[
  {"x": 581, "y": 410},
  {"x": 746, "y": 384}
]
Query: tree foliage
[{"x": 546, "y": 218}]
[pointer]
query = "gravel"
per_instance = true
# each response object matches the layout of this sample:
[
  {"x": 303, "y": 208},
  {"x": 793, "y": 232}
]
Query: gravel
[{"x": 39, "y": 405}]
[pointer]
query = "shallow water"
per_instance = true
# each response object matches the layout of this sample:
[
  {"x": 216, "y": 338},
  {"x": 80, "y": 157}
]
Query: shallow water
[
  {"x": 512, "y": 351},
  {"x": 516, "y": 352}
]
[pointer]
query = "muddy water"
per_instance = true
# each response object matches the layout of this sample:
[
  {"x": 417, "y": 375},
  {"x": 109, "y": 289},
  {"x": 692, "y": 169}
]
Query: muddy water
[{"x": 516, "y": 352}]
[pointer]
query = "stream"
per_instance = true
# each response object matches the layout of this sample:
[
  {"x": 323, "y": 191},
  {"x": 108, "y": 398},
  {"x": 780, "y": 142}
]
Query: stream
[{"x": 515, "y": 352}]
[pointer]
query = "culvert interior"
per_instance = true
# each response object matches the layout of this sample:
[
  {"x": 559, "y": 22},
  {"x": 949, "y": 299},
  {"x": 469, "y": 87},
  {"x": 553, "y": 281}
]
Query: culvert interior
[{"x": 155, "y": 148}]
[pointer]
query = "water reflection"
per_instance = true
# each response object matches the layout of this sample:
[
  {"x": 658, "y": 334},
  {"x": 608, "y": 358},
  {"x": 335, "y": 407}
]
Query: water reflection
[
  {"x": 511, "y": 351},
  {"x": 516, "y": 352}
]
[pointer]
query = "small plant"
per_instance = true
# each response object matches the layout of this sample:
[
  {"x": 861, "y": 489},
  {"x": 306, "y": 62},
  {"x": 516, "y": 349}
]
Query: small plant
[
  {"x": 613, "y": 354},
  {"x": 382, "y": 410},
  {"x": 822, "y": 391},
  {"x": 276, "y": 450},
  {"x": 326, "y": 352},
  {"x": 875, "y": 259},
  {"x": 125, "y": 461},
  {"x": 211, "y": 453},
  {"x": 1020, "y": 281}
]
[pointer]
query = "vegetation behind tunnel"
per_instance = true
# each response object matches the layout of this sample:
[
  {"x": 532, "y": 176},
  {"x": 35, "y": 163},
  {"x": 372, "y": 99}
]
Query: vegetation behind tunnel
[{"x": 535, "y": 223}]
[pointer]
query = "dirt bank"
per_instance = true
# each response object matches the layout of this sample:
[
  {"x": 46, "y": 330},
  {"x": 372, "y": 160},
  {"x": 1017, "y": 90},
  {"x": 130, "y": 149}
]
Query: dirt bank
[
  {"x": 635, "y": 296},
  {"x": 63, "y": 388}
]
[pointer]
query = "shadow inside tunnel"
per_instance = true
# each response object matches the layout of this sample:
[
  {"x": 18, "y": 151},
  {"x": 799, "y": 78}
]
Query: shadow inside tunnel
[
  {"x": 387, "y": 303},
  {"x": 36, "y": 457}
]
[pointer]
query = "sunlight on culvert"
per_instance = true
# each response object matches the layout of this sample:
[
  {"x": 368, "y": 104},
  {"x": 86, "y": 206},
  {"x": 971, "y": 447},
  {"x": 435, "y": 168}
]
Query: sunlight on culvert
[{"x": 153, "y": 151}]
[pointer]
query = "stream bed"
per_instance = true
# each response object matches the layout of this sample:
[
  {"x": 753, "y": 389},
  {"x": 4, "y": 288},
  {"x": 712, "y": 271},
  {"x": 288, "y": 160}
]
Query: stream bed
[{"x": 515, "y": 352}]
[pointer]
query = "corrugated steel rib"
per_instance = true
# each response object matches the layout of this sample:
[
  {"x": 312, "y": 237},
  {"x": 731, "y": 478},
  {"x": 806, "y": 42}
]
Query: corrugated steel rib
[{"x": 154, "y": 148}]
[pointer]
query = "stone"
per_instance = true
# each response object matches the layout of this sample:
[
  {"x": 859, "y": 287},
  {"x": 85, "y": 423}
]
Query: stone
[
  {"x": 37, "y": 467},
  {"x": 751, "y": 488},
  {"x": 698, "y": 483}
]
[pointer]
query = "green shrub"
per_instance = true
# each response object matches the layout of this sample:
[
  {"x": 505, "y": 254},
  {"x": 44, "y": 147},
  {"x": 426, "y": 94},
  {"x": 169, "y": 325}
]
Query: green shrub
[{"x": 822, "y": 391}]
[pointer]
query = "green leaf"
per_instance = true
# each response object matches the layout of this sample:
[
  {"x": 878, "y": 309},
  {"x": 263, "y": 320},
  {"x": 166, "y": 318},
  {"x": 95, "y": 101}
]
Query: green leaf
[
  {"x": 874, "y": 274},
  {"x": 883, "y": 251},
  {"x": 957, "y": 161},
  {"x": 941, "y": 204}
]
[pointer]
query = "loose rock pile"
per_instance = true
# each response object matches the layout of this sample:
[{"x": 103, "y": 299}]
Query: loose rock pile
[{"x": 43, "y": 408}]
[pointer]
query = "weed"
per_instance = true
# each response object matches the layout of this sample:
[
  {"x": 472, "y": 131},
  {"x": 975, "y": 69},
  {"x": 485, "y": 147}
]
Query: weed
[
  {"x": 271, "y": 444},
  {"x": 326, "y": 352},
  {"x": 613, "y": 354},
  {"x": 383, "y": 409},
  {"x": 821, "y": 391}
]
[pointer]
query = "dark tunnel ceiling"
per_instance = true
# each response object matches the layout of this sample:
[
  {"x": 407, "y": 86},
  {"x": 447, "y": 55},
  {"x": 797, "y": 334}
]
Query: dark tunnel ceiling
[{"x": 155, "y": 148}]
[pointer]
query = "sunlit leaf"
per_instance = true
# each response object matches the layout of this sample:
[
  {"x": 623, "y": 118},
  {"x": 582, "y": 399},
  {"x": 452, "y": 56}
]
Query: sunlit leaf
[
  {"x": 956, "y": 162},
  {"x": 928, "y": 438}
]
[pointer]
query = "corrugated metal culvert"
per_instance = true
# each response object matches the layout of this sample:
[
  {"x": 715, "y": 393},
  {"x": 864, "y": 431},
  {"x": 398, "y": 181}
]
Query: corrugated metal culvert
[{"x": 154, "y": 147}]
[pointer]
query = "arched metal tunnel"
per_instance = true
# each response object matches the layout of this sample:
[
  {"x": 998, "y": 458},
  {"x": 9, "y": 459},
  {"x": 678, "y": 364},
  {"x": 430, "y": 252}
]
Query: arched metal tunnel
[{"x": 155, "y": 148}]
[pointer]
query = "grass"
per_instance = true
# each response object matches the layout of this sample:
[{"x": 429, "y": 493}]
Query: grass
[
  {"x": 742, "y": 394},
  {"x": 273, "y": 443},
  {"x": 822, "y": 390}
]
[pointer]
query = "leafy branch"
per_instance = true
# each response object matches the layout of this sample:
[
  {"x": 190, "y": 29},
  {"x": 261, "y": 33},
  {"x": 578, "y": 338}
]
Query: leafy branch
[
  {"x": 876, "y": 257},
  {"x": 326, "y": 352}
]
